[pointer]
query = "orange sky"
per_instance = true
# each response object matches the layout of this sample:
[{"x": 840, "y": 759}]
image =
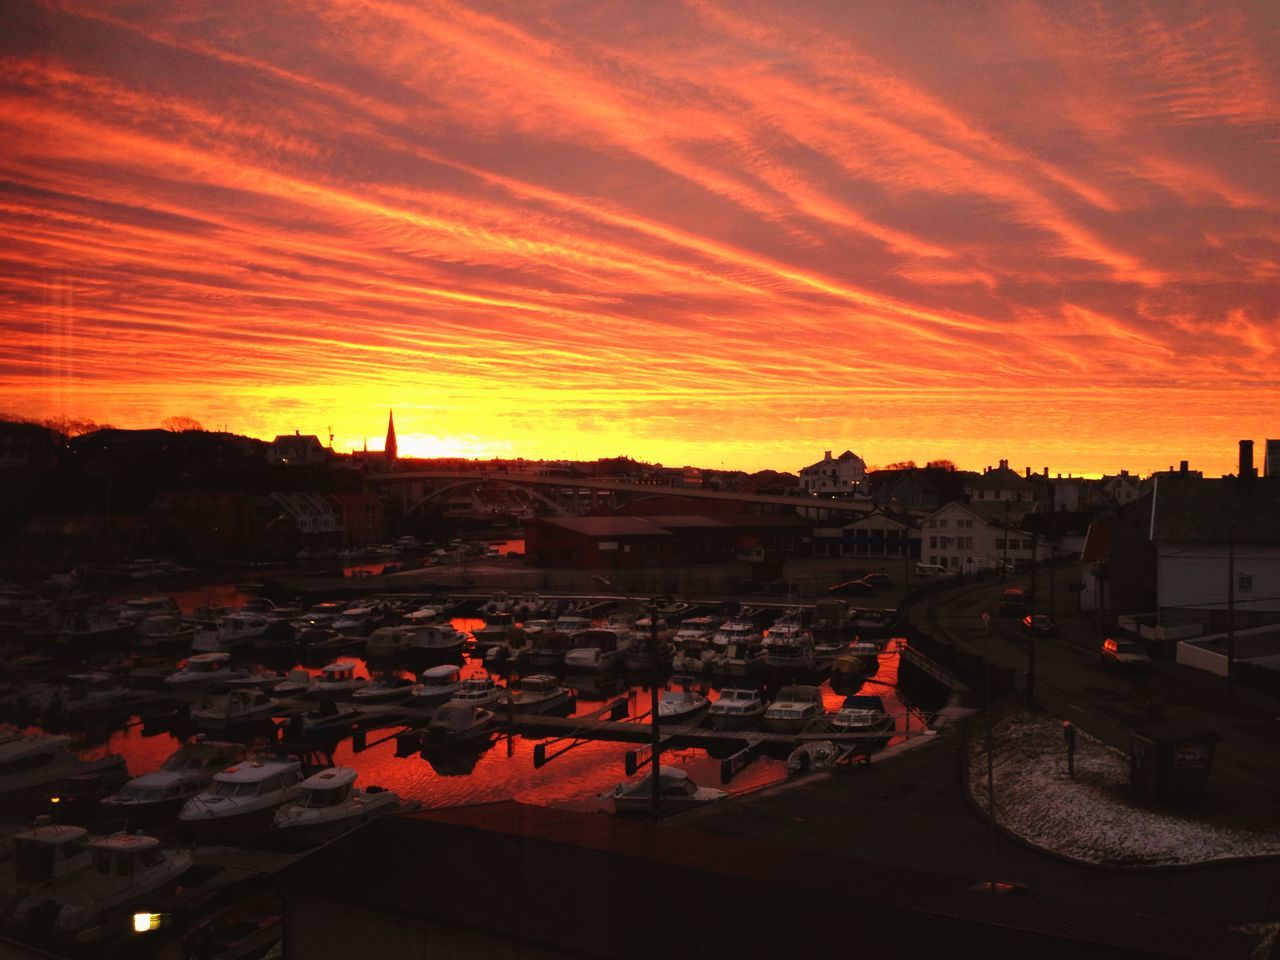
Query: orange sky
[{"x": 705, "y": 232}]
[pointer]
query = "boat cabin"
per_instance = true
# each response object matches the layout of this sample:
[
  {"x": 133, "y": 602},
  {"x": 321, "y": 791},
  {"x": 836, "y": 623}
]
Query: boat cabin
[
  {"x": 327, "y": 788},
  {"x": 256, "y": 778},
  {"x": 445, "y": 675},
  {"x": 120, "y": 856},
  {"x": 340, "y": 671},
  {"x": 47, "y": 850},
  {"x": 206, "y": 663}
]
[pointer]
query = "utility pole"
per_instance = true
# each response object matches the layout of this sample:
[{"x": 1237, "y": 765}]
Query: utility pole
[
  {"x": 1031, "y": 645},
  {"x": 656, "y": 742},
  {"x": 1004, "y": 561},
  {"x": 1231, "y": 608},
  {"x": 991, "y": 791},
  {"x": 1053, "y": 547}
]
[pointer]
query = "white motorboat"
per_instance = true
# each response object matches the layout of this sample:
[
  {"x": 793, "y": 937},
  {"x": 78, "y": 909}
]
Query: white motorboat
[
  {"x": 230, "y": 632},
  {"x": 242, "y": 800},
  {"x": 164, "y": 632},
  {"x": 258, "y": 679},
  {"x": 826, "y": 651},
  {"x": 360, "y": 620},
  {"x": 481, "y": 691},
  {"x": 236, "y": 710},
  {"x": 640, "y": 656},
  {"x": 862, "y": 713},
  {"x": 737, "y": 708},
  {"x": 694, "y": 650},
  {"x": 44, "y": 856},
  {"x": 203, "y": 672},
  {"x": 125, "y": 869},
  {"x": 138, "y": 609},
  {"x": 680, "y": 706},
  {"x": 336, "y": 681},
  {"x": 676, "y": 791},
  {"x": 293, "y": 684},
  {"x": 549, "y": 645},
  {"x": 790, "y": 650},
  {"x": 157, "y": 797},
  {"x": 459, "y": 723},
  {"x": 388, "y": 642},
  {"x": 437, "y": 640},
  {"x": 330, "y": 805},
  {"x": 497, "y": 627},
  {"x": 793, "y": 709},
  {"x": 738, "y": 659},
  {"x": 31, "y": 764},
  {"x": 541, "y": 693},
  {"x": 387, "y": 687},
  {"x": 738, "y": 630},
  {"x": 598, "y": 649},
  {"x": 437, "y": 686}
]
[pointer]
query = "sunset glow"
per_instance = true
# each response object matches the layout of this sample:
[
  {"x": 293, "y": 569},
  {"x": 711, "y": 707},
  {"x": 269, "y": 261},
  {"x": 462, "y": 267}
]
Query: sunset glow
[{"x": 715, "y": 233}]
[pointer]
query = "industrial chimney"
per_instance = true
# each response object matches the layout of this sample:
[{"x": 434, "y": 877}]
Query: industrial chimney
[{"x": 1246, "y": 460}]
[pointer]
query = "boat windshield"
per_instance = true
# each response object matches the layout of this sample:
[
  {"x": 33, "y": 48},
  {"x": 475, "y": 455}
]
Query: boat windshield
[
  {"x": 222, "y": 788},
  {"x": 325, "y": 797}
]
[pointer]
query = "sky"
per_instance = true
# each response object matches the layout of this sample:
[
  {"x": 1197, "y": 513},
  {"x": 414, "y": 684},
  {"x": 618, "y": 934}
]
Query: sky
[{"x": 718, "y": 233}]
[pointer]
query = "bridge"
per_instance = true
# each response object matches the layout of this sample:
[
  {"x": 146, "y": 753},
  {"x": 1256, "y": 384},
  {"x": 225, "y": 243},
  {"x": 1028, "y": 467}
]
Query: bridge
[{"x": 570, "y": 496}]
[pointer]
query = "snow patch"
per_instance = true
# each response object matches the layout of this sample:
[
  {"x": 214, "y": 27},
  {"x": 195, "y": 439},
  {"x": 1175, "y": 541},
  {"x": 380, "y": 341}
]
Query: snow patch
[{"x": 1092, "y": 817}]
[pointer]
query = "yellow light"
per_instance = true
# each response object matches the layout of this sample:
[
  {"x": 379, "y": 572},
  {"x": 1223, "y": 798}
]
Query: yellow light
[{"x": 142, "y": 922}]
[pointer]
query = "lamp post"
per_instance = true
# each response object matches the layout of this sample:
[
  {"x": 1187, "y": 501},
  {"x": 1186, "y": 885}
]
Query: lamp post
[{"x": 991, "y": 791}]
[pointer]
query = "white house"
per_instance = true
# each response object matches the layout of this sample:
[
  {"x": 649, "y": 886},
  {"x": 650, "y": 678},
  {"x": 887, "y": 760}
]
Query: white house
[
  {"x": 1217, "y": 546},
  {"x": 843, "y": 474},
  {"x": 296, "y": 450},
  {"x": 878, "y": 534},
  {"x": 967, "y": 536}
]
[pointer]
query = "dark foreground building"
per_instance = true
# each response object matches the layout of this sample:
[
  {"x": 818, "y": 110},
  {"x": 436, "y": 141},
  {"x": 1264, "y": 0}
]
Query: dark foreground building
[{"x": 510, "y": 880}]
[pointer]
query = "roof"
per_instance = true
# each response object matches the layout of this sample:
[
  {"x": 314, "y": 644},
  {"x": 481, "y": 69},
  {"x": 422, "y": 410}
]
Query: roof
[
  {"x": 607, "y": 526},
  {"x": 330, "y": 778},
  {"x": 581, "y": 881},
  {"x": 251, "y": 771},
  {"x": 1000, "y": 478},
  {"x": 1190, "y": 509}
]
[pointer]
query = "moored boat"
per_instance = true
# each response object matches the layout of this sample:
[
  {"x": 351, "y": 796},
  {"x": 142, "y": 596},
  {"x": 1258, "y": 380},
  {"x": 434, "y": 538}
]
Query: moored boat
[
  {"x": 737, "y": 708},
  {"x": 438, "y": 685},
  {"x": 676, "y": 791},
  {"x": 330, "y": 804},
  {"x": 242, "y": 799},
  {"x": 795, "y": 707},
  {"x": 157, "y": 797}
]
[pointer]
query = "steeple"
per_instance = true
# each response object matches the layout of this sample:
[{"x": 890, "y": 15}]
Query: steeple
[{"x": 389, "y": 449}]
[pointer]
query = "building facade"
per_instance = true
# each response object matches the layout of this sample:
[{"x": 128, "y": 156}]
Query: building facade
[{"x": 845, "y": 474}]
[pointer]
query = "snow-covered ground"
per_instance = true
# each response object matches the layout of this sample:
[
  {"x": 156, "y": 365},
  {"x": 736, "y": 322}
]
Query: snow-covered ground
[{"x": 1092, "y": 817}]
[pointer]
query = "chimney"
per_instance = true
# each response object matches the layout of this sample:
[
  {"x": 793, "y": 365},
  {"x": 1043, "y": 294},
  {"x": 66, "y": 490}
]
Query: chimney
[
  {"x": 1046, "y": 472},
  {"x": 827, "y": 455},
  {"x": 1026, "y": 472},
  {"x": 1182, "y": 466},
  {"x": 1004, "y": 464},
  {"x": 1246, "y": 460}
]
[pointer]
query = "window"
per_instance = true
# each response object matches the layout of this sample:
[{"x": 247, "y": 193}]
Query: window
[
  {"x": 942, "y": 523},
  {"x": 933, "y": 543},
  {"x": 999, "y": 544},
  {"x": 1244, "y": 582}
]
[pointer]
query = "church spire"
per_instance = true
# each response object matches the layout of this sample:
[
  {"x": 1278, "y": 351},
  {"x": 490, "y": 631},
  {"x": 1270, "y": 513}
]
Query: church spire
[{"x": 389, "y": 449}]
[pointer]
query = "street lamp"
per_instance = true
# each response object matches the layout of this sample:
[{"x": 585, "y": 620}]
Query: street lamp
[{"x": 991, "y": 792}]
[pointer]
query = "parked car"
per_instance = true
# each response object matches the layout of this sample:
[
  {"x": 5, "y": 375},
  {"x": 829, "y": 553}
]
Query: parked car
[
  {"x": 878, "y": 579},
  {"x": 1013, "y": 601},
  {"x": 927, "y": 570},
  {"x": 1039, "y": 625},
  {"x": 851, "y": 588},
  {"x": 1123, "y": 653}
]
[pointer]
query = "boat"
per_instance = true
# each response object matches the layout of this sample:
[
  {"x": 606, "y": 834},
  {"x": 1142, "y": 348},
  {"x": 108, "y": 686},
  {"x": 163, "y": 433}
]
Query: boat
[
  {"x": 826, "y": 651},
  {"x": 202, "y": 673},
  {"x": 138, "y": 609},
  {"x": 738, "y": 630},
  {"x": 164, "y": 632},
  {"x": 91, "y": 695},
  {"x": 388, "y": 642},
  {"x": 738, "y": 659},
  {"x": 694, "y": 650},
  {"x": 791, "y": 650},
  {"x": 597, "y": 650},
  {"x": 549, "y": 646},
  {"x": 43, "y": 856},
  {"x": 330, "y": 805},
  {"x": 495, "y": 630},
  {"x": 456, "y": 723},
  {"x": 875, "y": 622},
  {"x": 126, "y": 869},
  {"x": 241, "y": 800},
  {"x": 830, "y": 621},
  {"x": 438, "y": 641},
  {"x": 34, "y": 765},
  {"x": 336, "y": 681},
  {"x": 293, "y": 684},
  {"x": 680, "y": 706},
  {"x": 862, "y": 713},
  {"x": 258, "y": 679},
  {"x": 437, "y": 686},
  {"x": 386, "y": 687},
  {"x": 236, "y": 710},
  {"x": 157, "y": 797},
  {"x": 847, "y": 665},
  {"x": 541, "y": 693},
  {"x": 481, "y": 691},
  {"x": 813, "y": 755},
  {"x": 737, "y": 708},
  {"x": 360, "y": 620},
  {"x": 793, "y": 709},
  {"x": 320, "y": 643},
  {"x": 640, "y": 656},
  {"x": 231, "y": 632},
  {"x": 676, "y": 791}
]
